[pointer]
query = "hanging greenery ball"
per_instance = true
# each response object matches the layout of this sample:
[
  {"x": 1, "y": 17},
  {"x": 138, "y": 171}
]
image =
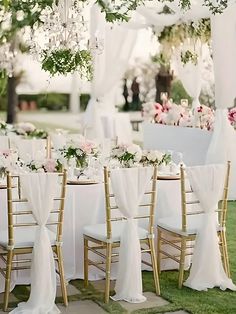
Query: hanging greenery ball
[{"x": 64, "y": 61}]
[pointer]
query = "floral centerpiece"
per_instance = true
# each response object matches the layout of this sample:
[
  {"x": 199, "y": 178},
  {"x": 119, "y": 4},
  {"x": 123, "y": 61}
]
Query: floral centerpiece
[
  {"x": 232, "y": 117},
  {"x": 79, "y": 152},
  {"x": 155, "y": 158},
  {"x": 127, "y": 155},
  {"x": 178, "y": 115},
  {"x": 204, "y": 117},
  {"x": 8, "y": 159},
  {"x": 29, "y": 130},
  {"x": 5, "y": 128},
  {"x": 46, "y": 165},
  {"x": 132, "y": 155}
]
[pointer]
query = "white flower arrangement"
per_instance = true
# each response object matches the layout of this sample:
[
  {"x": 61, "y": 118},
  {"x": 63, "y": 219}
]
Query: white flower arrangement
[
  {"x": 5, "y": 128},
  {"x": 127, "y": 155},
  {"x": 155, "y": 157},
  {"x": 132, "y": 155},
  {"x": 45, "y": 165}
]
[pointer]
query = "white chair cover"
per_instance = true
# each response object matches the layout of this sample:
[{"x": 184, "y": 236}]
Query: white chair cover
[
  {"x": 40, "y": 189},
  {"x": 4, "y": 142},
  {"x": 58, "y": 140},
  {"x": 30, "y": 149},
  {"x": 207, "y": 270},
  {"x": 129, "y": 186}
]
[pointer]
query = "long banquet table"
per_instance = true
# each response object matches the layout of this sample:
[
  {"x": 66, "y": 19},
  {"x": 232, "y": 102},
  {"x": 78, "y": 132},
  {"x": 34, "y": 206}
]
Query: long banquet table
[{"x": 85, "y": 205}]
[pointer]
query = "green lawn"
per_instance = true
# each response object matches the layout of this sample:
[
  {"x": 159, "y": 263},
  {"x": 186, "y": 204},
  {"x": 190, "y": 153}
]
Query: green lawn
[{"x": 211, "y": 301}]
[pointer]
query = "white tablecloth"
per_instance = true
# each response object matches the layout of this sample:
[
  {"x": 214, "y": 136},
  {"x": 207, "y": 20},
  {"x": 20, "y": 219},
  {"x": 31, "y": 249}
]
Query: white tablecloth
[
  {"x": 85, "y": 205},
  {"x": 192, "y": 142}
]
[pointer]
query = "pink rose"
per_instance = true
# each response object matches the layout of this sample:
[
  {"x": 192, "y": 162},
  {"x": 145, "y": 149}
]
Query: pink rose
[
  {"x": 50, "y": 165},
  {"x": 167, "y": 106}
]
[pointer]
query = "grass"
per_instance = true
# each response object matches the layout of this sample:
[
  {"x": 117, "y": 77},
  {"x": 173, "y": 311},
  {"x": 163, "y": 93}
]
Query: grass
[{"x": 212, "y": 301}]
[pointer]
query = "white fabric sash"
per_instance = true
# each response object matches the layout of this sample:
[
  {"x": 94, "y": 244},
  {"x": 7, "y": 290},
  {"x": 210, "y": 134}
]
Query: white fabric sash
[
  {"x": 40, "y": 189},
  {"x": 129, "y": 186},
  {"x": 207, "y": 270}
]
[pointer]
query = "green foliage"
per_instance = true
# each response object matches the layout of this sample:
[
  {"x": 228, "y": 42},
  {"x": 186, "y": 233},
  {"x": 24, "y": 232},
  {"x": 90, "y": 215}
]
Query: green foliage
[
  {"x": 189, "y": 56},
  {"x": 50, "y": 101},
  {"x": 178, "y": 92},
  {"x": 119, "y": 12},
  {"x": 84, "y": 99},
  {"x": 64, "y": 61}
]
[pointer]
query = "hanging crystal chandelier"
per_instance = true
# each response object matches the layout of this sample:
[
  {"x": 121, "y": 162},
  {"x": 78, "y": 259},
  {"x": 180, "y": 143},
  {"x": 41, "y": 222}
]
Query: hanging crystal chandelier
[{"x": 61, "y": 42}]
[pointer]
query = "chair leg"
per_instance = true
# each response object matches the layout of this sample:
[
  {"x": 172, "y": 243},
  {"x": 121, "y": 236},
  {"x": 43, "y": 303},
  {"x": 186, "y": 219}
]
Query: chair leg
[
  {"x": 225, "y": 254},
  {"x": 8, "y": 279},
  {"x": 159, "y": 250},
  {"x": 85, "y": 263},
  {"x": 62, "y": 275},
  {"x": 154, "y": 266},
  {"x": 182, "y": 262},
  {"x": 108, "y": 271}
]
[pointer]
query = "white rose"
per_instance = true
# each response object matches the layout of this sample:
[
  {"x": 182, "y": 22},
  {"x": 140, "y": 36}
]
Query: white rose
[
  {"x": 151, "y": 156},
  {"x": 133, "y": 149},
  {"x": 138, "y": 156},
  {"x": 40, "y": 170}
]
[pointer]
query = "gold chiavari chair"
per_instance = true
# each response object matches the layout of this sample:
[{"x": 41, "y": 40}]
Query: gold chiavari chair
[
  {"x": 106, "y": 237},
  {"x": 19, "y": 239},
  {"x": 180, "y": 232}
]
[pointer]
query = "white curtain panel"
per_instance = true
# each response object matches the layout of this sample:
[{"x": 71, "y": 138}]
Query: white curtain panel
[
  {"x": 40, "y": 189},
  {"x": 129, "y": 186},
  {"x": 223, "y": 144},
  {"x": 190, "y": 73},
  {"x": 207, "y": 270},
  {"x": 109, "y": 68}
]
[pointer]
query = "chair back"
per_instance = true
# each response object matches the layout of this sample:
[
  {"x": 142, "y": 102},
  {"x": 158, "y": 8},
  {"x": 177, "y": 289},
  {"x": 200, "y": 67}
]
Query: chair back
[
  {"x": 190, "y": 204},
  {"x": 30, "y": 149},
  {"x": 111, "y": 207},
  {"x": 4, "y": 142},
  {"x": 21, "y": 216}
]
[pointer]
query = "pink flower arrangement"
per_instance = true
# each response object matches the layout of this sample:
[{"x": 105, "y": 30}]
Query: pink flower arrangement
[
  {"x": 172, "y": 114},
  {"x": 50, "y": 165},
  {"x": 232, "y": 116}
]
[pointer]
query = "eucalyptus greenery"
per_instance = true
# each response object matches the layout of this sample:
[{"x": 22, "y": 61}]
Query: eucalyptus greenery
[
  {"x": 64, "y": 61},
  {"x": 173, "y": 37},
  {"x": 189, "y": 56}
]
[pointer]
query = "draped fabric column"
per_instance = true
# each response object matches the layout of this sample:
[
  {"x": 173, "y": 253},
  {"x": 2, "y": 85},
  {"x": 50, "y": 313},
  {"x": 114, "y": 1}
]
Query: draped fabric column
[
  {"x": 129, "y": 185},
  {"x": 207, "y": 270},
  {"x": 109, "y": 68},
  {"x": 223, "y": 144},
  {"x": 40, "y": 189},
  {"x": 190, "y": 73}
]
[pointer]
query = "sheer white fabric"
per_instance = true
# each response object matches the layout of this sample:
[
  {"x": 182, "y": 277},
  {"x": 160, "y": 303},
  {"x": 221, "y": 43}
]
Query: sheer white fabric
[
  {"x": 129, "y": 186},
  {"x": 109, "y": 67},
  {"x": 190, "y": 74},
  {"x": 40, "y": 190},
  {"x": 223, "y": 147},
  {"x": 224, "y": 51},
  {"x": 4, "y": 142},
  {"x": 30, "y": 149},
  {"x": 207, "y": 270}
]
